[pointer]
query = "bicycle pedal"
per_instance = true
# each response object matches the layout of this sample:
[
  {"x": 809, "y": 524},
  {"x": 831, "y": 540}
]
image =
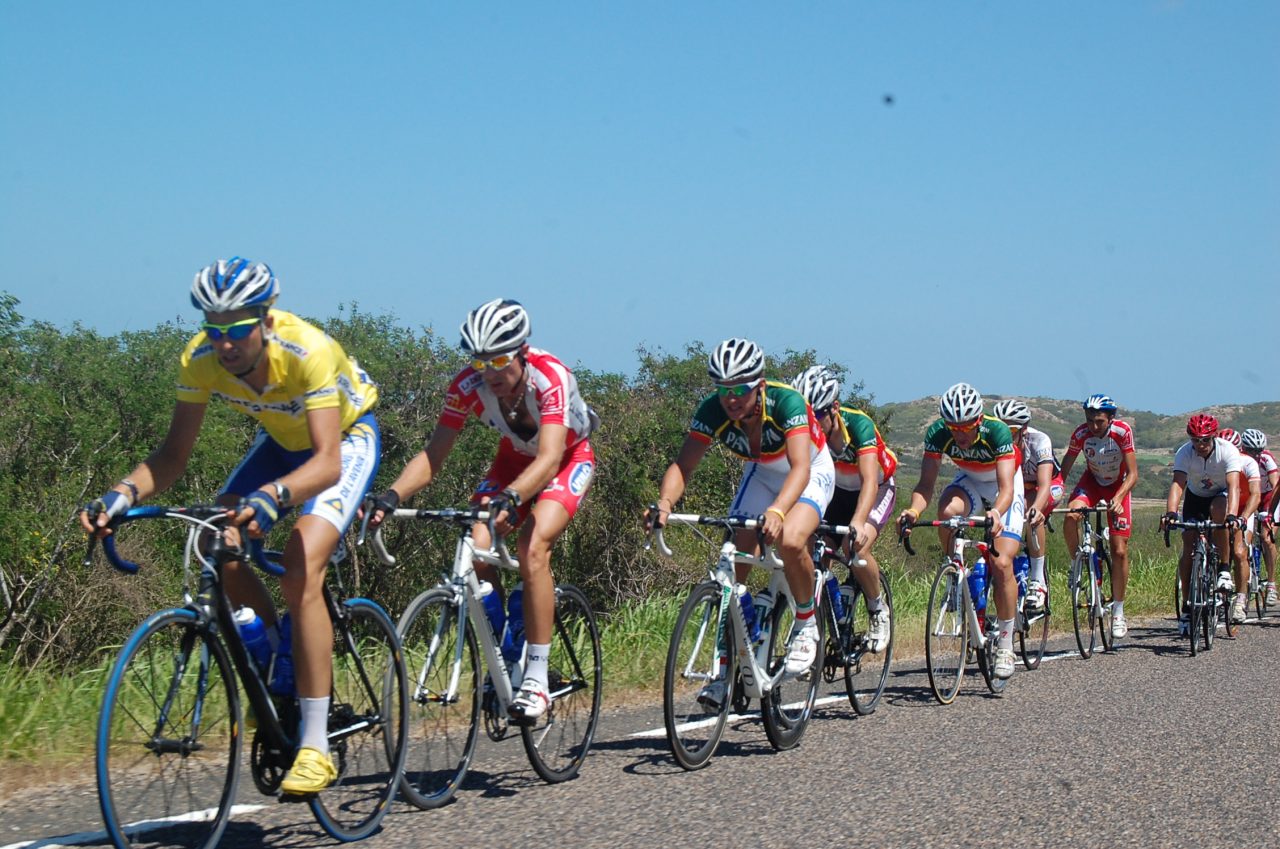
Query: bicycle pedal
[{"x": 295, "y": 798}]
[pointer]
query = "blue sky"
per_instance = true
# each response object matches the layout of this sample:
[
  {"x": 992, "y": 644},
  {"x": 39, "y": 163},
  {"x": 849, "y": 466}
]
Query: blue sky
[{"x": 1061, "y": 198}]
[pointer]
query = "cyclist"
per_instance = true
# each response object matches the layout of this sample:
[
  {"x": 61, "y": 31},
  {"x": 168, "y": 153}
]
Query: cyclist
[
  {"x": 542, "y": 470},
  {"x": 1111, "y": 473},
  {"x": 1042, "y": 486},
  {"x": 1254, "y": 443},
  {"x": 1207, "y": 470},
  {"x": 317, "y": 446},
  {"x": 787, "y": 480},
  {"x": 1250, "y": 497},
  {"x": 983, "y": 449},
  {"x": 859, "y": 453}
]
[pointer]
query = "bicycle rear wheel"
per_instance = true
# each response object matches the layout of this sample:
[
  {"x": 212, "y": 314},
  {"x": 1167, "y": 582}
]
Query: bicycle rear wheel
[
  {"x": 865, "y": 672},
  {"x": 1256, "y": 586},
  {"x": 946, "y": 633},
  {"x": 1035, "y": 636},
  {"x": 1105, "y": 615},
  {"x": 168, "y": 738},
  {"x": 787, "y": 708},
  {"x": 444, "y": 724},
  {"x": 694, "y": 728},
  {"x": 558, "y": 742},
  {"x": 1082, "y": 616},
  {"x": 368, "y": 722},
  {"x": 987, "y": 655}
]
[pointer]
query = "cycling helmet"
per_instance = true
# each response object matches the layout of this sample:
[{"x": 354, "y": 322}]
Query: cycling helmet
[
  {"x": 234, "y": 284},
  {"x": 818, "y": 385},
  {"x": 1230, "y": 436},
  {"x": 1253, "y": 439},
  {"x": 735, "y": 361},
  {"x": 1099, "y": 402},
  {"x": 497, "y": 327},
  {"x": 1012, "y": 411},
  {"x": 960, "y": 403},
  {"x": 1201, "y": 425}
]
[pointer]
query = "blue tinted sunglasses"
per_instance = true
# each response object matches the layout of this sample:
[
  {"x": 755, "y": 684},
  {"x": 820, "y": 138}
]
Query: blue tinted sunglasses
[{"x": 235, "y": 331}]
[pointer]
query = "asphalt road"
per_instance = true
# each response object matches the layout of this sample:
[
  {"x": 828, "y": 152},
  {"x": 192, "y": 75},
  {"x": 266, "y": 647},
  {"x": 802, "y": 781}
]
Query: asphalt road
[{"x": 1142, "y": 747}]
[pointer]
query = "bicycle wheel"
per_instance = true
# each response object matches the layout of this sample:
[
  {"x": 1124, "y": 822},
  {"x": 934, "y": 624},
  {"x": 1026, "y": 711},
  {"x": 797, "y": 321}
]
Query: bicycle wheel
[
  {"x": 946, "y": 633},
  {"x": 1225, "y": 600},
  {"x": 444, "y": 723},
  {"x": 694, "y": 728},
  {"x": 1082, "y": 617},
  {"x": 1255, "y": 581},
  {"x": 1103, "y": 612},
  {"x": 368, "y": 722},
  {"x": 558, "y": 742},
  {"x": 786, "y": 708},
  {"x": 168, "y": 738},
  {"x": 1035, "y": 636},
  {"x": 866, "y": 672}
]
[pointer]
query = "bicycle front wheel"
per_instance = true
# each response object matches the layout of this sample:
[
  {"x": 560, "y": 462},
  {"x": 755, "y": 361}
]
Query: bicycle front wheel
[
  {"x": 168, "y": 739},
  {"x": 368, "y": 722},
  {"x": 1082, "y": 616},
  {"x": 866, "y": 672},
  {"x": 946, "y": 634},
  {"x": 692, "y": 710},
  {"x": 1103, "y": 611},
  {"x": 786, "y": 708},
  {"x": 558, "y": 742},
  {"x": 1196, "y": 599},
  {"x": 1035, "y": 636},
  {"x": 444, "y": 698}
]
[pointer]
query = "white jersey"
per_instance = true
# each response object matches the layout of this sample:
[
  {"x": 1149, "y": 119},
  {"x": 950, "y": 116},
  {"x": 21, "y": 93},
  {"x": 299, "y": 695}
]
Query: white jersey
[
  {"x": 1266, "y": 465},
  {"x": 1207, "y": 476},
  {"x": 1036, "y": 449}
]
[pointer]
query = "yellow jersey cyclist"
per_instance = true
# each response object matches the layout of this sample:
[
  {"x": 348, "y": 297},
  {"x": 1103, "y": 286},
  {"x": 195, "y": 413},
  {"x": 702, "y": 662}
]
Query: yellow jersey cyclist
[
  {"x": 1253, "y": 442},
  {"x": 543, "y": 467},
  {"x": 1042, "y": 488},
  {"x": 865, "y": 491},
  {"x": 788, "y": 478},
  {"x": 317, "y": 446},
  {"x": 989, "y": 482}
]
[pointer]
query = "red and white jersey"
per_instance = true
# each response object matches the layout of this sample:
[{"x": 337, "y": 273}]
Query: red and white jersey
[
  {"x": 1104, "y": 454},
  {"x": 1207, "y": 476},
  {"x": 551, "y": 392},
  {"x": 1266, "y": 465}
]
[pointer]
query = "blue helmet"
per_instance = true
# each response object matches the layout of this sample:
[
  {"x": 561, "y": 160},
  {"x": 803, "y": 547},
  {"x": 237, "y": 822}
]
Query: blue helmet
[
  {"x": 1099, "y": 402},
  {"x": 234, "y": 284}
]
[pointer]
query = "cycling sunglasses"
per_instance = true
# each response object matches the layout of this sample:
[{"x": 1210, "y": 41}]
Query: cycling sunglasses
[
  {"x": 235, "y": 331},
  {"x": 739, "y": 390},
  {"x": 500, "y": 361},
  {"x": 965, "y": 427},
  {"x": 1202, "y": 440}
]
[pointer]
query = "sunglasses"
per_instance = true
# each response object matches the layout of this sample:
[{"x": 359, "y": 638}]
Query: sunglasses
[
  {"x": 500, "y": 361},
  {"x": 740, "y": 390},
  {"x": 965, "y": 427},
  {"x": 1202, "y": 440},
  {"x": 235, "y": 331}
]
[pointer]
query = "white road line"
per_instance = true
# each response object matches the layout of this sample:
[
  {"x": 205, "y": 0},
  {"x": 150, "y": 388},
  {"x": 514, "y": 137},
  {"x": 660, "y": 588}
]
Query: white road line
[{"x": 84, "y": 837}]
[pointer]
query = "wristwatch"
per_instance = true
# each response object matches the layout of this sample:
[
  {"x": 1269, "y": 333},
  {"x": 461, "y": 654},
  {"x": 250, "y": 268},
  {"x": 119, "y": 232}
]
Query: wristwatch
[{"x": 283, "y": 496}]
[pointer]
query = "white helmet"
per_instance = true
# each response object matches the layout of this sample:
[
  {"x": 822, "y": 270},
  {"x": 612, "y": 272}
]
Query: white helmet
[
  {"x": 1012, "y": 411},
  {"x": 1253, "y": 439},
  {"x": 960, "y": 403},
  {"x": 818, "y": 385},
  {"x": 234, "y": 284},
  {"x": 735, "y": 361},
  {"x": 495, "y": 328}
]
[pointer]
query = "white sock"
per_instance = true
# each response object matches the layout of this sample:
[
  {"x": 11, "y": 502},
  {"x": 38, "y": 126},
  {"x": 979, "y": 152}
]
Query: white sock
[
  {"x": 314, "y": 728},
  {"x": 1117, "y": 608},
  {"x": 1037, "y": 570},
  {"x": 874, "y": 604},
  {"x": 1005, "y": 640},
  {"x": 536, "y": 663},
  {"x": 1243, "y": 598}
]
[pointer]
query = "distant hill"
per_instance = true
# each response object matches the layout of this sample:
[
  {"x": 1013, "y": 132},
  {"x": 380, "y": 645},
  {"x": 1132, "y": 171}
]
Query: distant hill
[{"x": 1158, "y": 436}]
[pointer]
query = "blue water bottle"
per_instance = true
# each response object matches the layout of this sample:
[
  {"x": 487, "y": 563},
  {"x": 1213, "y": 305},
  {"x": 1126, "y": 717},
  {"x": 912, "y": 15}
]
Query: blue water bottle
[
  {"x": 978, "y": 584},
  {"x": 1097, "y": 567},
  {"x": 1021, "y": 566},
  {"x": 833, "y": 592},
  {"x": 748, "y": 607},
  {"x": 513, "y": 637},
  {"x": 282, "y": 683},
  {"x": 493, "y": 608},
  {"x": 254, "y": 635}
]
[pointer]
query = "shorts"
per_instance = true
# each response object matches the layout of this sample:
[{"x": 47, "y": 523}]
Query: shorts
[
  {"x": 1091, "y": 492},
  {"x": 845, "y": 502},
  {"x": 567, "y": 488},
  {"x": 1057, "y": 489},
  {"x": 1196, "y": 508},
  {"x": 982, "y": 494},
  {"x": 760, "y": 486},
  {"x": 267, "y": 461}
]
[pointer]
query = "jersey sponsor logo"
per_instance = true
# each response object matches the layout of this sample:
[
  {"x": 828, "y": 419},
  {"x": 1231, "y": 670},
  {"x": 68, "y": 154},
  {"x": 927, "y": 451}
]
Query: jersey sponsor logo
[
  {"x": 700, "y": 427},
  {"x": 551, "y": 402},
  {"x": 796, "y": 421},
  {"x": 322, "y": 392},
  {"x": 202, "y": 351},
  {"x": 487, "y": 486},
  {"x": 581, "y": 478},
  {"x": 737, "y": 442},
  {"x": 334, "y": 504},
  {"x": 292, "y": 407},
  {"x": 470, "y": 383},
  {"x": 292, "y": 347}
]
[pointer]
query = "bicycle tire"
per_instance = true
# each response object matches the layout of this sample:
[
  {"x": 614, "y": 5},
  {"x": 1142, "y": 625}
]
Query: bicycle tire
[
  {"x": 864, "y": 682},
  {"x": 1258, "y": 585},
  {"x": 368, "y": 722},
  {"x": 1035, "y": 636},
  {"x": 1105, "y": 614},
  {"x": 558, "y": 742},
  {"x": 6, "y": 601},
  {"x": 1195, "y": 589},
  {"x": 946, "y": 633},
  {"x": 443, "y": 730},
  {"x": 987, "y": 655},
  {"x": 1082, "y": 618},
  {"x": 168, "y": 738},
  {"x": 693, "y": 729},
  {"x": 787, "y": 708},
  {"x": 1225, "y": 602}
]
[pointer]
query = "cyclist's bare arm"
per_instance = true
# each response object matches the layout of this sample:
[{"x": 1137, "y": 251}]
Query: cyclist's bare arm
[
  {"x": 1174, "y": 501},
  {"x": 1129, "y": 481},
  {"x": 678, "y": 474},
  {"x": 1254, "y": 499},
  {"x": 1233, "y": 493},
  {"x": 1067, "y": 462},
  {"x": 869, "y": 469},
  {"x": 923, "y": 493},
  {"x": 424, "y": 466}
]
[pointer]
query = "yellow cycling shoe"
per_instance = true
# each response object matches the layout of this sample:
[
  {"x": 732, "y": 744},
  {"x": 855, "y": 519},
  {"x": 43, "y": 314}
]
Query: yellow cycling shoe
[{"x": 311, "y": 772}]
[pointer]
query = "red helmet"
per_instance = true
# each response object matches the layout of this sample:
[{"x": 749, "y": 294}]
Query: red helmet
[
  {"x": 1230, "y": 436},
  {"x": 1201, "y": 425}
]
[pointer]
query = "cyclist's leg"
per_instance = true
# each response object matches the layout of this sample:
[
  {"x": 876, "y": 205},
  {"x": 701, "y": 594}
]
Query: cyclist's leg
[
  {"x": 793, "y": 548},
  {"x": 265, "y": 461},
  {"x": 506, "y": 467},
  {"x": 868, "y": 577},
  {"x": 957, "y": 499}
]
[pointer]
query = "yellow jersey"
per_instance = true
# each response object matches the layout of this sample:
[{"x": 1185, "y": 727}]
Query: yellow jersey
[{"x": 306, "y": 370}]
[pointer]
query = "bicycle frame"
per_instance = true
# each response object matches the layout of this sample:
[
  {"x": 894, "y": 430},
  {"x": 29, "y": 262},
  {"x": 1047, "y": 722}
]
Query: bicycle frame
[
  {"x": 1092, "y": 529},
  {"x": 959, "y": 542}
]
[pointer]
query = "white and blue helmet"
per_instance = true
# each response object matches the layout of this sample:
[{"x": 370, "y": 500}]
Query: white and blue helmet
[{"x": 234, "y": 284}]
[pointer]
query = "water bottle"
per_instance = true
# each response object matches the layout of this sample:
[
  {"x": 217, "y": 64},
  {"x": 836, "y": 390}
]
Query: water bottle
[
  {"x": 1097, "y": 567},
  {"x": 282, "y": 683},
  {"x": 513, "y": 637},
  {"x": 493, "y": 608},
  {"x": 833, "y": 592},
  {"x": 978, "y": 585},
  {"x": 254, "y": 635},
  {"x": 846, "y": 602},
  {"x": 1021, "y": 567},
  {"x": 748, "y": 613}
]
